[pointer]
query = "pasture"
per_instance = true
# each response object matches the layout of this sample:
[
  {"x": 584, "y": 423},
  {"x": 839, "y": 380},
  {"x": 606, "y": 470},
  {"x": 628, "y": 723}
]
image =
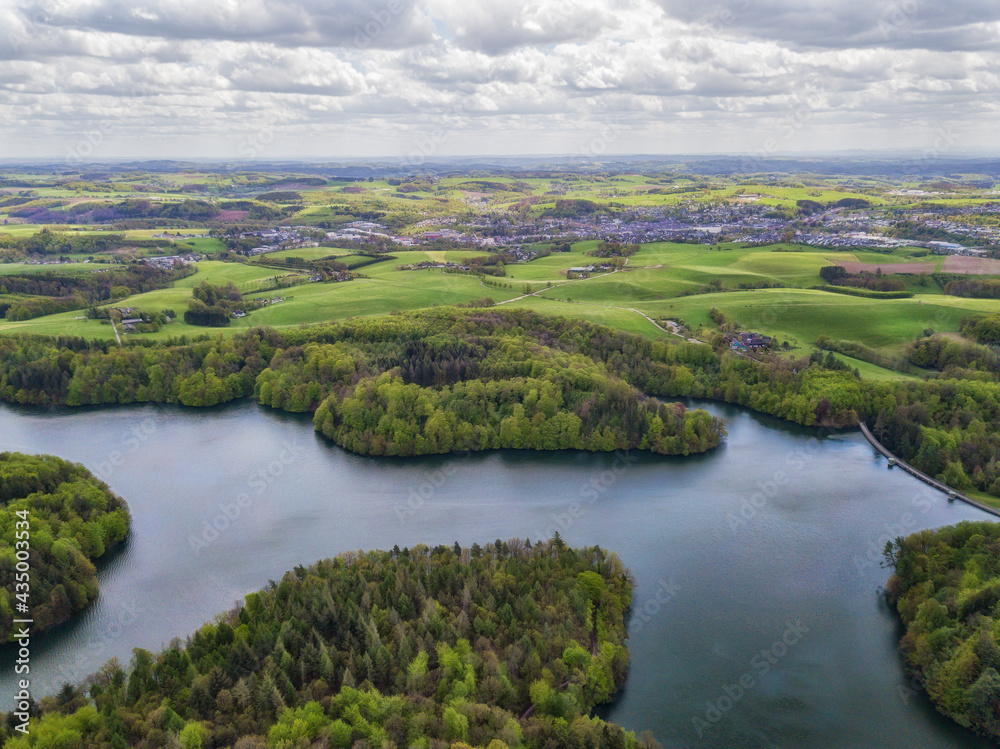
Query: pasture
[{"x": 765, "y": 289}]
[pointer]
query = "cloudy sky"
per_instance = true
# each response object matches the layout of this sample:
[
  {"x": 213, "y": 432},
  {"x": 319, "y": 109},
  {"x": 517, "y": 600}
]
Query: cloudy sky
[{"x": 241, "y": 79}]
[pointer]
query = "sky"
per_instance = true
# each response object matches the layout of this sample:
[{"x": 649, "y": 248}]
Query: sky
[{"x": 86, "y": 80}]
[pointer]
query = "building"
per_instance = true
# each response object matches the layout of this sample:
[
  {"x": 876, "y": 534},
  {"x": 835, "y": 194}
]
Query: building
[{"x": 748, "y": 341}]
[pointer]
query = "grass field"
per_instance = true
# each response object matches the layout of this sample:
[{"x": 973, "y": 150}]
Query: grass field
[
  {"x": 662, "y": 280},
  {"x": 307, "y": 253}
]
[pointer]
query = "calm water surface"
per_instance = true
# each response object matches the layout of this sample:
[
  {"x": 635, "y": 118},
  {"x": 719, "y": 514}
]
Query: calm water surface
[{"x": 757, "y": 619}]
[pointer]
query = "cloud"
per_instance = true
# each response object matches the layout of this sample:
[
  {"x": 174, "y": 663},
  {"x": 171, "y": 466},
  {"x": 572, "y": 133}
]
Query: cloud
[
  {"x": 496, "y": 75},
  {"x": 496, "y": 27},
  {"x": 855, "y": 24},
  {"x": 314, "y": 23}
]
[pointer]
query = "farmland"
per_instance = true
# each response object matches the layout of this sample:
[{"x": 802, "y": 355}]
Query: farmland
[
  {"x": 661, "y": 281},
  {"x": 702, "y": 250}
]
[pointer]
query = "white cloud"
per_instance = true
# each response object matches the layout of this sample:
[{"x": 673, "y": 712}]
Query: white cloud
[{"x": 512, "y": 76}]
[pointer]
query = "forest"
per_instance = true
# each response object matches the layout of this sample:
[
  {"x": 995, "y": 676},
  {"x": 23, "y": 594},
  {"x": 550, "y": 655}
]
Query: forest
[
  {"x": 489, "y": 377},
  {"x": 213, "y": 305},
  {"x": 955, "y": 359},
  {"x": 985, "y": 288},
  {"x": 836, "y": 275},
  {"x": 73, "y": 520},
  {"x": 506, "y": 646},
  {"x": 14, "y": 248},
  {"x": 983, "y": 328},
  {"x": 47, "y": 292},
  {"x": 946, "y": 587}
]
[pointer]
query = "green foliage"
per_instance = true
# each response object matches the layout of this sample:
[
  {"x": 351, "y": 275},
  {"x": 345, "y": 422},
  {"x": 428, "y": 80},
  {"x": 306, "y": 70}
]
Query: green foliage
[
  {"x": 982, "y": 328},
  {"x": 213, "y": 305},
  {"x": 857, "y": 350},
  {"x": 955, "y": 359},
  {"x": 946, "y": 588},
  {"x": 949, "y": 429},
  {"x": 48, "y": 292},
  {"x": 378, "y": 650},
  {"x": 73, "y": 519},
  {"x": 449, "y": 379},
  {"x": 975, "y": 288}
]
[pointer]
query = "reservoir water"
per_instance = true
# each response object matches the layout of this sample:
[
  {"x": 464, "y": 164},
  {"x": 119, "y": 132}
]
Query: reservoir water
[{"x": 757, "y": 617}]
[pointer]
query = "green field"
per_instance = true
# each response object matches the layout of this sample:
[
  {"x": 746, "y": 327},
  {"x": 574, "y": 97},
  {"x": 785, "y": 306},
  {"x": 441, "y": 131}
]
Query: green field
[{"x": 662, "y": 281}]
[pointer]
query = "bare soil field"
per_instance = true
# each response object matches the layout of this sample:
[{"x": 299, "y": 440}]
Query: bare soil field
[
  {"x": 977, "y": 266},
  {"x": 888, "y": 268}
]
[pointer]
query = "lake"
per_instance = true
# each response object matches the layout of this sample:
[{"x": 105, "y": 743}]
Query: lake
[{"x": 757, "y": 616}]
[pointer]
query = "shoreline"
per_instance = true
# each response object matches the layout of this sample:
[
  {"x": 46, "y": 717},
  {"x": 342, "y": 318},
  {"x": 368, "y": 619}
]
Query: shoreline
[{"x": 923, "y": 476}]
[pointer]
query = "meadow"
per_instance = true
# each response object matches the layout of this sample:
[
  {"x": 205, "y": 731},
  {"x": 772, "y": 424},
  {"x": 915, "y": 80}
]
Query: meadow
[
  {"x": 663, "y": 281},
  {"x": 769, "y": 289}
]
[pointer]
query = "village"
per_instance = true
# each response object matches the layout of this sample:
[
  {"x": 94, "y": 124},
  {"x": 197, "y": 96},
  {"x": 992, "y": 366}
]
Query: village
[{"x": 700, "y": 223}]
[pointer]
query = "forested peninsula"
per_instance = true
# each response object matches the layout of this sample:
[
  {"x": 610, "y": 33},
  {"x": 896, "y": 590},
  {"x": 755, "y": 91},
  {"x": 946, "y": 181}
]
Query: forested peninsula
[
  {"x": 507, "y": 646},
  {"x": 449, "y": 379},
  {"x": 56, "y": 519},
  {"x": 946, "y": 588}
]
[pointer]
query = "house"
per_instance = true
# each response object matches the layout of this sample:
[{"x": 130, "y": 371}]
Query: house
[
  {"x": 239, "y": 313},
  {"x": 755, "y": 341},
  {"x": 748, "y": 341}
]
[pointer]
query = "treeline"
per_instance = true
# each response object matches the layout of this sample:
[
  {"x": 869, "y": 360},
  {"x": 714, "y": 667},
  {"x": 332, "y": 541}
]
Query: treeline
[
  {"x": 614, "y": 249},
  {"x": 858, "y": 350},
  {"x": 442, "y": 393},
  {"x": 28, "y": 308},
  {"x": 811, "y": 207},
  {"x": 52, "y": 291},
  {"x": 835, "y": 275},
  {"x": 573, "y": 208},
  {"x": 867, "y": 293},
  {"x": 384, "y": 416},
  {"x": 257, "y": 211},
  {"x": 443, "y": 347},
  {"x": 126, "y": 210},
  {"x": 214, "y": 305},
  {"x": 47, "y": 242},
  {"x": 510, "y": 646},
  {"x": 72, "y": 520},
  {"x": 945, "y": 589},
  {"x": 955, "y": 359},
  {"x": 986, "y": 288},
  {"x": 68, "y": 371},
  {"x": 983, "y": 328},
  {"x": 949, "y": 429}
]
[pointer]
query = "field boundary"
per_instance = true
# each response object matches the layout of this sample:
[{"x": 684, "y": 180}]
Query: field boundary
[{"x": 923, "y": 476}]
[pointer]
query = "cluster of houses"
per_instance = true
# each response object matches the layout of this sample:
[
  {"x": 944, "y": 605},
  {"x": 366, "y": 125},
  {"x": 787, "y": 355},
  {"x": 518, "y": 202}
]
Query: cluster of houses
[
  {"x": 128, "y": 318},
  {"x": 280, "y": 238},
  {"x": 166, "y": 262},
  {"x": 748, "y": 341},
  {"x": 858, "y": 239},
  {"x": 951, "y": 248},
  {"x": 361, "y": 231}
]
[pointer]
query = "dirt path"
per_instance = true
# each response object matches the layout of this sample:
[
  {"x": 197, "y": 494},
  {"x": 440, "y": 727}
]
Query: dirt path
[
  {"x": 116, "y": 331},
  {"x": 558, "y": 285},
  {"x": 595, "y": 304}
]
